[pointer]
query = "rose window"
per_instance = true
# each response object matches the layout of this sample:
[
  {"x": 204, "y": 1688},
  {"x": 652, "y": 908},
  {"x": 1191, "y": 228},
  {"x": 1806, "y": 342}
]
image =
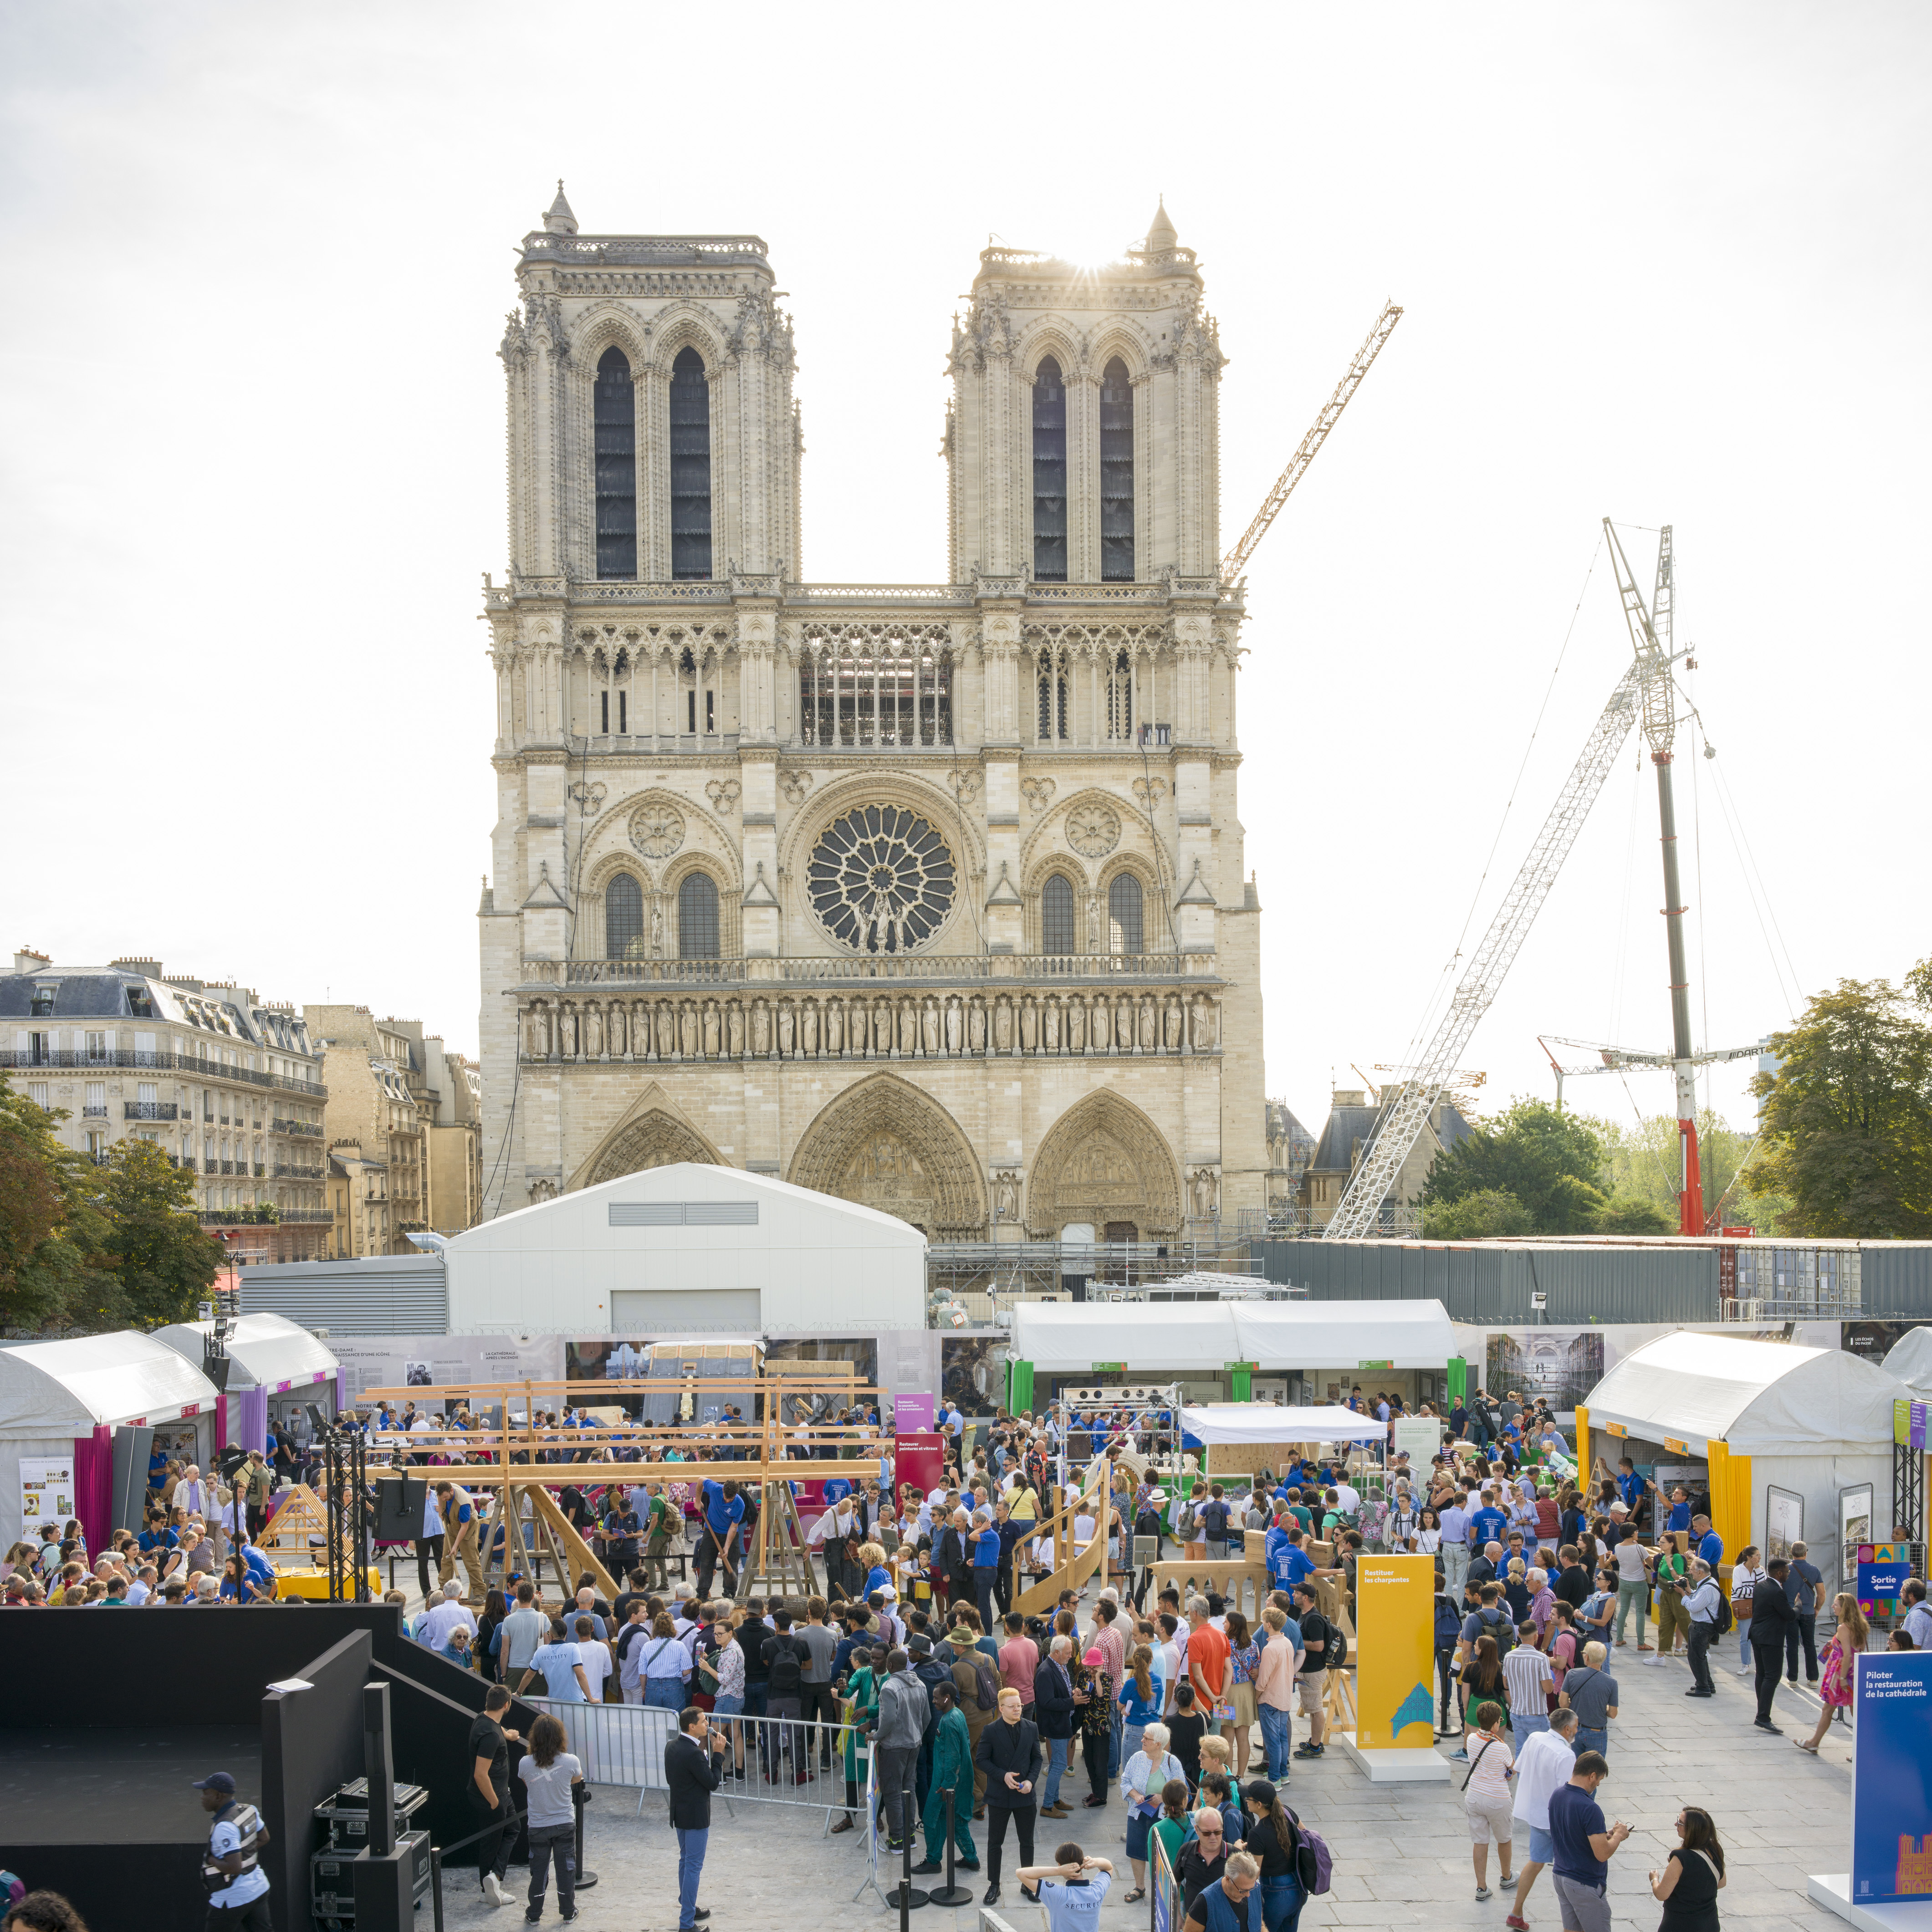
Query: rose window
[{"x": 881, "y": 879}]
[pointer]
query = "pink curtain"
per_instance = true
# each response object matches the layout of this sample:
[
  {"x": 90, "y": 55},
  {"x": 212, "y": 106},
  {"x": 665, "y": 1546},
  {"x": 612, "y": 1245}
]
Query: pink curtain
[{"x": 94, "y": 1487}]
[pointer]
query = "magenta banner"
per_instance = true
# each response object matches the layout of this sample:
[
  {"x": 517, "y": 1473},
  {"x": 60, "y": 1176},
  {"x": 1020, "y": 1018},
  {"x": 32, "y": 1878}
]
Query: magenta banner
[{"x": 912, "y": 1411}]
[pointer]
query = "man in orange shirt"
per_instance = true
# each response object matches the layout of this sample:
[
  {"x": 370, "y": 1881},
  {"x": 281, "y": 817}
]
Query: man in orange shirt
[{"x": 1208, "y": 1668}]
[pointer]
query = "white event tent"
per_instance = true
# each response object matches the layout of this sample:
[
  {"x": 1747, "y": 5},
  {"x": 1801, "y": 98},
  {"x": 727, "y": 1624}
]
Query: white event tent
[
  {"x": 1269, "y": 1422},
  {"x": 1808, "y": 1424},
  {"x": 1910, "y": 1360},
  {"x": 1158, "y": 1338}
]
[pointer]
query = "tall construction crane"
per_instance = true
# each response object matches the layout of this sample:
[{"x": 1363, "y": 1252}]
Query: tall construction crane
[
  {"x": 1235, "y": 561},
  {"x": 1358, "y": 1213},
  {"x": 1617, "y": 1059}
]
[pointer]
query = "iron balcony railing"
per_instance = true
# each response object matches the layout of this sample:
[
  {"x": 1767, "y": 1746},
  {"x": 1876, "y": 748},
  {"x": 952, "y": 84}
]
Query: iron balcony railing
[
  {"x": 286, "y": 1173},
  {"x": 179, "y": 1063},
  {"x": 314, "y": 1127},
  {"x": 150, "y": 1110}
]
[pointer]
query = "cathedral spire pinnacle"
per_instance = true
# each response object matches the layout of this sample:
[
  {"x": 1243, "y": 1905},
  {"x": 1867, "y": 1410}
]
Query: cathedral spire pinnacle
[
  {"x": 558, "y": 219},
  {"x": 1161, "y": 236}
]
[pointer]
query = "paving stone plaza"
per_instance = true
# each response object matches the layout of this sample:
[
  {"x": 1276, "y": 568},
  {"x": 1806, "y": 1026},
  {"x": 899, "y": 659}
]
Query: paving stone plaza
[{"x": 1401, "y": 1851}]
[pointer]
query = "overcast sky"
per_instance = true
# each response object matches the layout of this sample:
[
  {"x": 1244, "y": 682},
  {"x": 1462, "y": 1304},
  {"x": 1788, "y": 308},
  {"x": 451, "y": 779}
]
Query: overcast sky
[{"x": 1664, "y": 263}]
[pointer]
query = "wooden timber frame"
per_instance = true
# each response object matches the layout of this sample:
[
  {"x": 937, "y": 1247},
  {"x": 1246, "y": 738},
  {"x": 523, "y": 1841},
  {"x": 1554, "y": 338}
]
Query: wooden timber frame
[
  {"x": 1073, "y": 1566},
  {"x": 776, "y": 1562}
]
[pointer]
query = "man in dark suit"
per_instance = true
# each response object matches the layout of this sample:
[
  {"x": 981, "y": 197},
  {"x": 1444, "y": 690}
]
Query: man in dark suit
[
  {"x": 1053, "y": 1712},
  {"x": 1772, "y": 1622},
  {"x": 693, "y": 1768},
  {"x": 952, "y": 1560},
  {"x": 1008, "y": 1752}
]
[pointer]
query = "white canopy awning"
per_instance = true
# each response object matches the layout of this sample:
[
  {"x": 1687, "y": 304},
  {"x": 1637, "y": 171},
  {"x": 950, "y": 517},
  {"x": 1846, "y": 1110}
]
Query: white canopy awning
[
  {"x": 1155, "y": 1339},
  {"x": 1910, "y": 1360},
  {"x": 67, "y": 1388},
  {"x": 1176, "y": 1338},
  {"x": 1757, "y": 1398},
  {"x": 1269, "y": 1422},
  {"x": 269, "y": 1352}
]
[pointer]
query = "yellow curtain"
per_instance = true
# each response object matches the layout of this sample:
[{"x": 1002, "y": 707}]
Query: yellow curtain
[
  {"x": 1730, "y": 1498},
  {"x": 1583, "y": 1446}
]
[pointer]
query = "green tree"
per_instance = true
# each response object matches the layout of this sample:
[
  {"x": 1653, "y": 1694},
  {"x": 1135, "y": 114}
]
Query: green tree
[
  {"x": 54, "y": 1269},
  {"x": 1548, "y": 1161},
  {"x": 1631, "y": 1214},
  {"x": 1641, "y": 1163},
  {"x": 1848, "y": 1116},
  {"x": 1486, "y": 1214},
  {"x": 164, "y": 1261}
]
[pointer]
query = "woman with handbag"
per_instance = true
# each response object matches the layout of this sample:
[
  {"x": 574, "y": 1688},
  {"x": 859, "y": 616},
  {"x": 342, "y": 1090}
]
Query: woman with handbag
[
  {"x": 1693, "y": 1876},
  {"x": 1273, "y": 1840},
  {"x": 1835, "y": 1680},
  {"x": 1485, "y": 1798}
]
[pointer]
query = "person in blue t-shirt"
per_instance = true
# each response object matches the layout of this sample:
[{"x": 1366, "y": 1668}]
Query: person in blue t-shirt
[
  {"x": 986, "y": 1569},
  {"x": 1583, "y": 1845},
  {"x": 1707, "y": 1544},
  {"x": 1488, "y": 1522},
  {"x": 724, "y": 1511},
  {"x": 1679, "y": 1517}
]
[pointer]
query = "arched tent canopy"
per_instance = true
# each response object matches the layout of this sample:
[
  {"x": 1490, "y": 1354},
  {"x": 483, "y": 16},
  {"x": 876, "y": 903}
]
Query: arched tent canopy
[
  {"x": 1789, "y": 1437},
  {"x": 269, "y": 1352},
  {"x": 1156, "y": 1339},
  {"x": 1757, "y": 1398},
  {"x": 1910, "y": 1360},
  {"x": 91, "y": 1382}
]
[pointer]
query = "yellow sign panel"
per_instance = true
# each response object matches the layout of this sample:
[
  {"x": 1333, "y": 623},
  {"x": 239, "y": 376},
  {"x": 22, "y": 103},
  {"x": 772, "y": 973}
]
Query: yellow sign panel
[
  {"x": 1395, "y": 1649},
  {"x": 1676, "y": 1447},
  {"x": 1615, "y": 1429}
]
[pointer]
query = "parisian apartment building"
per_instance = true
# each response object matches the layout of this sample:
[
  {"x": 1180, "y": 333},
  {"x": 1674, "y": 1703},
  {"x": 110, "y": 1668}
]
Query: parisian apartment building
[
  {"x": 229, "y": 1086},
  {"x": 402, "y": 1129}
]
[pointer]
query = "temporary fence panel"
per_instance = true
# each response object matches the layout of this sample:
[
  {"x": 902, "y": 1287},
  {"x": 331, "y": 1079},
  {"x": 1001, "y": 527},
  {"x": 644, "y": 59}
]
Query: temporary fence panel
[
  {"x": 768, "y": 1760},
  {"x": 1164, "y": 1907}
]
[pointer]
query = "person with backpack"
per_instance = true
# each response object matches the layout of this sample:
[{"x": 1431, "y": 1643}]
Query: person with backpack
[
  {"x": 1213, "y": 1516},
  {"x": 975, "y": 1678},
  {"x": 1448, "y": 1635},
  {"x": 1323, "y": 1646},
  {"x": 1275, "y": 1837},
  {"x": 1490, "y": 1619},
  {"x": 786, "y": 1657}
]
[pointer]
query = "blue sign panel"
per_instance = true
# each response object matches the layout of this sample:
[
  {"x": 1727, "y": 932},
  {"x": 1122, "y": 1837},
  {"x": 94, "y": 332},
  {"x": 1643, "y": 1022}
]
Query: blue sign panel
[
  {"x": 1881, "y": 1580},
  {"x": 1891, "y": 1804}
]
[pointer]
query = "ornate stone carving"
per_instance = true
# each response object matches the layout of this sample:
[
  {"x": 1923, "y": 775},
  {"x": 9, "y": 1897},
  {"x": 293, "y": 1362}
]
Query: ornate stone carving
[
  {"x": 656, "y": 830},
  {"x": 881, "y": 879},
  {"x": 1093, "y": 830},
  {"x": 656, "y": 1140},
  {"x": 796, "y": 786},
  {"x": 1006, "y": 1195},
  {"x": 1149, "y": 791},
  {"x": 965, "y": 785},
  {"x": 590, "y": 796},
  {"x": 885, "y": 1143},
  {"x": 723, "y": 794},
  {"x": 1204, "y": 1186},
  {"x": 1104, "y": 1160},
  {"x": 1038, "y": 792},
  {"x": 542, "y": 1190}
]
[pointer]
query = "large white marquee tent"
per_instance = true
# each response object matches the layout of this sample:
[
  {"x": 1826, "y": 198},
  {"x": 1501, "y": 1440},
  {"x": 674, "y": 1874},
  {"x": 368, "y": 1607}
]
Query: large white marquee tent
[{"x": 1159, "y": 1338}]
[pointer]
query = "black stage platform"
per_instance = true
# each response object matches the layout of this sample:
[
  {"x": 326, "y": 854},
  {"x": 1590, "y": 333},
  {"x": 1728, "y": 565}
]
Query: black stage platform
[{"x": 84, "y": 1787}]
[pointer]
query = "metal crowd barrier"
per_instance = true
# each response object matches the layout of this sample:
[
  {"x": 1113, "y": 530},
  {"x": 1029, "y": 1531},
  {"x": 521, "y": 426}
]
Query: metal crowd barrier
[{"x": 767, "y": 1760}]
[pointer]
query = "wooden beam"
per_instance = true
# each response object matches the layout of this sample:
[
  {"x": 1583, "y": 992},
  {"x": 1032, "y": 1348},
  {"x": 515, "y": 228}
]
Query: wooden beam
[
  {"x": 472, "y": 1475},
  {"x": 549, "y": 1512}
]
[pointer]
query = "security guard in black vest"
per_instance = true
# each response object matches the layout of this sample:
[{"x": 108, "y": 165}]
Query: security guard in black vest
[{"x": 231, "y": 1868}]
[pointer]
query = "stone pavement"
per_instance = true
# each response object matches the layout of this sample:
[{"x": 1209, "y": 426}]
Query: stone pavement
[{"x": 1402, "y": 1852}]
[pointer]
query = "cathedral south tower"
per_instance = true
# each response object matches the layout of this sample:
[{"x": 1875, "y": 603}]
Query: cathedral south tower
[{"x": 933, "y": 896}]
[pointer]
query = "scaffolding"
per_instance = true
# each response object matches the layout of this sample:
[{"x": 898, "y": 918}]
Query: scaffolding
[{"x": 983, "y": 1278}]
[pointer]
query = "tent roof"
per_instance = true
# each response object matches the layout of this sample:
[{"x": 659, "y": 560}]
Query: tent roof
[
  {"x": 269, "y": 1351},
  {"x": 1758, "y": 1398},
  {"x": 1198, "y": 1337},
  {"x": 1910, "y": 1358},
  {"x": 66, "y": 1388},
  {"x": 1269, "y": 1422}
]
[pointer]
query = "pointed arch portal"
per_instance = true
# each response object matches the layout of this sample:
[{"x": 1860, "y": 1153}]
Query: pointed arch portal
[{"x": 885, "y": 1145}]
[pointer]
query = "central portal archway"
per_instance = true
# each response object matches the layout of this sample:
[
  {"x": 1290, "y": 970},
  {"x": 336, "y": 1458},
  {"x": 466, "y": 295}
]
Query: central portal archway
[
  {"x": 1104, "y": 1162},
  {"x": 885, "y": 1145}
]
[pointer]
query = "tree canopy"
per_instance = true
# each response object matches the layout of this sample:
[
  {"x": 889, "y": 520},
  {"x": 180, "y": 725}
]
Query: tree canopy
[
  {"x": 1546, "y": 1161},
  {"x": 89, "y": 1246},
  {"x": 1847, "y": 1114}
]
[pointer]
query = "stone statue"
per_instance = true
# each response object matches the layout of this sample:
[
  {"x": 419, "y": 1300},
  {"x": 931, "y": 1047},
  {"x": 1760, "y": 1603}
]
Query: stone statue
[
  {"x": 1124, "y": 1023},
  {"x": 734, "y": 1031},
  {"x": 955, "y": 1025},
  {"x": 1171, "y": 1022},
  {"x": 1204, "y": 1023},
  {"x": 1008, "y": 1197},
  {"x": 657, "y": 925},
  {"x": 976, "y": 1025},
  {"x": 761, "y": 1029},
  {"x": 1049, "y": 1026},
  {"x": 542, "y": 1190},
  {"x": 618, "y": 1039},
  {"x": 1076, "y": 1026},
  {"x": 1150, "y": 1025},
  {"x": 593, "y": 1032},
  {"x": 908, "y": 1026},
  {"x": 1097, "y": 930},
  {"x": 835, "y": 1026},
  {"x": 711, "y": 1041},
  {"x": 666, "y": 1035},
  {"x": 1029, "y": 1025},
  {"x": 569, "y": 1045},
  {"x": 858, "y": 1017},
  {"x": 1003, "y": 1026},
  {"x": 929, "y": 1026},
  {"x": 785, "y": 1024}
]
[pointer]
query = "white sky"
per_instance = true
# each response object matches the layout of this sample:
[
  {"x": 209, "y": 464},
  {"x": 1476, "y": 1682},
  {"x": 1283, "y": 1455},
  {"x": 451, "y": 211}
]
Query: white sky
[{"x": 1664, "y": 263}]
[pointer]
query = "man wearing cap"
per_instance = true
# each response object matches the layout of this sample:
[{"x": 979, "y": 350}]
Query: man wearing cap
[{"x": 238, "y": 1900}]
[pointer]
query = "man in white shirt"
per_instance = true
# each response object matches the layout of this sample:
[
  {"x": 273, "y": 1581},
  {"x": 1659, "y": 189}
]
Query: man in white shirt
[
  {"x": 142, "y": 1587},
  {"x": 1544, "y": 1761},
  {"x": 1349, "y": 1498},
  {"x": 193, "y": 1495},
  {"x": 446, "y": 1613}
]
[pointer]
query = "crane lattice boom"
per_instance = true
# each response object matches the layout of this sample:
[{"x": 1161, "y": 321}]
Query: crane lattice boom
[
  {"x": 1358, "y": 1213},
  {"x": 1232, "y": 564}
]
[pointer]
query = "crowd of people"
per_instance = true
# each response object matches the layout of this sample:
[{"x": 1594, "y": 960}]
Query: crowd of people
[{"x": 911, "y": 1661}]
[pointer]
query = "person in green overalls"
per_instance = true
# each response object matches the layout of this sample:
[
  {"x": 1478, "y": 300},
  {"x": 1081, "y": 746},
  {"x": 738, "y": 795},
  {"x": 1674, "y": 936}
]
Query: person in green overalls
[
  {"x": 861, "y": 1698},
  {"x": 951, "y": 1770}
]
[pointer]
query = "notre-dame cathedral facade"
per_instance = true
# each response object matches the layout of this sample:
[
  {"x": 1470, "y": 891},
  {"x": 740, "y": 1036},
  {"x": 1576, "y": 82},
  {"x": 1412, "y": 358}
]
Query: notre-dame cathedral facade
[{"x": 931, "y": 896}]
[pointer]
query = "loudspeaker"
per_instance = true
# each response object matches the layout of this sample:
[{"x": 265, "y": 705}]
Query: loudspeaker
[{"x": 399, "y": 1508}]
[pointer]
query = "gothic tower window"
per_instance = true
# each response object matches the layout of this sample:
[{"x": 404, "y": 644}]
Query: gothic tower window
[
  {"x": 1123, "y": 915},
  {"x": 616, "y": 410},
  {"x": 690, "y": 466},
  {"x": 1052, "y": 720},
  {"x": 1117, "y": 475},
  {"x": 697, "y": 918},
  {"x": 1056, "y": 916},
  {"x": 1121, "y": 699},
  {"x": 623, "y": 918},
  {"x": 1049, "y": 474}
]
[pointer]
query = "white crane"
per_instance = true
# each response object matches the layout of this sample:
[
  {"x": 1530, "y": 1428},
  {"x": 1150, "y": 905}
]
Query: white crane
[{"x": 1358, "y": 1213}]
